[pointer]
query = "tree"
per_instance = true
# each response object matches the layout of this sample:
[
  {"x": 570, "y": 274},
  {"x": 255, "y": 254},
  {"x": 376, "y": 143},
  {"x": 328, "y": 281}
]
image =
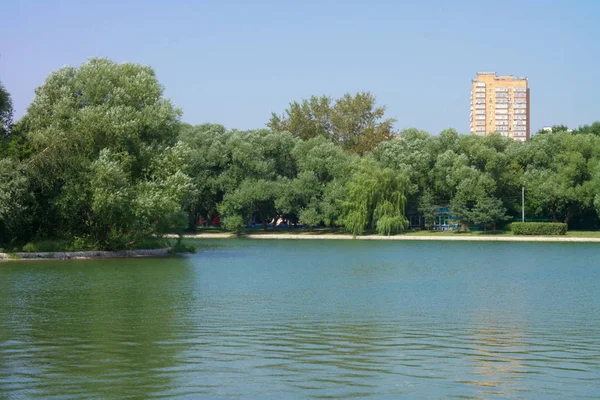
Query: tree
[
  {"x": 210, "y": 156},
  {"x": 597, "y": 204},
  {"x": 310, "y": 217},
  {"x": 251, "y": 197},
  {"x": 593, "y": 129},
  {"x": 375, "y": 199},
  {"x": 103, "y": 143},
  {"x": 6, "y": 113},
  {"x": 309, "y": 119},
  {"x": 473, "y": 185},
  {"x": 124, "y": 210},
  {"x": 553, "y": 129},
  {"x": 563, "y": 183},
  {"x": 354, "y": 122},
  {"x": 323, "y": 170},
  {"x": 14, "y": 199},
  {"x": 488, "y": 211},
  {"x": 429, "y": 208},
  {"x": 411, "y": 153}
]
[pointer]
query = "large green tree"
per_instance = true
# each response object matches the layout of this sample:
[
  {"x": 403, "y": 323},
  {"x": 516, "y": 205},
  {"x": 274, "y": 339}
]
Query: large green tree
[
  {"x": 324, "y": 169},
  {"x": 256, "y": 181},
  {"x": 210, "y": 157},
  {"x": 354, "y": 122},
  {"x": 562, "y": 176},
  {"x": 99, "y": 134}
]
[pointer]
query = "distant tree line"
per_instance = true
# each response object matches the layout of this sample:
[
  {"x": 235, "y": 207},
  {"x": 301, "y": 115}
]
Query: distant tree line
[{"x": 103, "y": 158}]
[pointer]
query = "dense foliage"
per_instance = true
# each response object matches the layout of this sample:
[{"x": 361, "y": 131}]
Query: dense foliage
[
  {"x": 102, "y": 161},
  {"x": 5, "y": 112},
  {"x": 539, "y": 228},
  {"x": 102, "y": 158},
  {"x": 354, "y": 122}
]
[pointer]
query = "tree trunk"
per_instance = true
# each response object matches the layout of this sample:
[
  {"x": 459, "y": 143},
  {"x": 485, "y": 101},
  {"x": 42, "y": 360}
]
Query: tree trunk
[
  {"x": 569, "y": 215},
  {"x": 264, "y": 222},
  {"x": 192, "y": 221}
]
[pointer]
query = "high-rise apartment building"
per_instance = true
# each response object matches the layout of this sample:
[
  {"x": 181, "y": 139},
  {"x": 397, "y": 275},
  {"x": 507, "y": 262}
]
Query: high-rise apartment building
[{"x": 500, "y": 104}]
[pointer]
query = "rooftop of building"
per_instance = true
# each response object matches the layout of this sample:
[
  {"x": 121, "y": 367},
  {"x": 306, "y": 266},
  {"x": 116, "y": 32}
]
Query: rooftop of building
[{"x": 500, "y": 77}]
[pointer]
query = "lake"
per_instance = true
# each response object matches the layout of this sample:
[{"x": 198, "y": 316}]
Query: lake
[{"x": 275, "y": 319}]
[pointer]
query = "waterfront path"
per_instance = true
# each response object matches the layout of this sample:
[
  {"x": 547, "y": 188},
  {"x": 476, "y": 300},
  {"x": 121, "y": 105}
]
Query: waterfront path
[{"x": 458, "y": 237}]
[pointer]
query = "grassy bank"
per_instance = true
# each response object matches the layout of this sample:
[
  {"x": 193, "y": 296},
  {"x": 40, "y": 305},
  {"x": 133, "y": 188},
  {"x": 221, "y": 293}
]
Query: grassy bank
[{"x": 78, "y": 245}]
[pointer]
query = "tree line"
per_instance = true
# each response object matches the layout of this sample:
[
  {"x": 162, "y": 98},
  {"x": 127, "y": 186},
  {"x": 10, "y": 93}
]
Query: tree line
[{"x": 102, "y": 157}]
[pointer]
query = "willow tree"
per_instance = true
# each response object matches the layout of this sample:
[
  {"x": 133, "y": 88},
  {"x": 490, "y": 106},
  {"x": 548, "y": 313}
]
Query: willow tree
[{"x": 375, "y": 199}]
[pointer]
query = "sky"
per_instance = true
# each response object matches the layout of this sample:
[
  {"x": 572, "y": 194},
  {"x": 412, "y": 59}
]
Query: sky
[{"x": 235, "y": 62}]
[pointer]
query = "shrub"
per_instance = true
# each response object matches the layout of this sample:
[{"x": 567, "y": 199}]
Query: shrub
[
  {"x": 82, "y": 244},
  {"x": 539, "y": 228},
  {"x": 47, "y": 246},
  {"x": 181, "y": 247},
  {"x": 233, "y": 223},
  {"x": 30, "y": 248}
]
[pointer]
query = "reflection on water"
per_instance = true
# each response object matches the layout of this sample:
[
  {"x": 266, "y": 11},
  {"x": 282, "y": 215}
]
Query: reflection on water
[{"x": 297, "y": 319}]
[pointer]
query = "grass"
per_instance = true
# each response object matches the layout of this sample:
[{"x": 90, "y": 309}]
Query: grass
[
  {"x": 590, "y": 234},
  {"x": 210, "y": 229}
]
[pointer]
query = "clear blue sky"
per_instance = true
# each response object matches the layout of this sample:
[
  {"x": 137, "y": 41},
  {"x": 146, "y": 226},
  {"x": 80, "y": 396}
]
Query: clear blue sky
[{"x": 234, "y": 62}]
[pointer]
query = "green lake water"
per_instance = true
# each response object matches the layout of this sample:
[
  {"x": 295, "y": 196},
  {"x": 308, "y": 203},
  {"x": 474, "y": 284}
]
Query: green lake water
[{"x": 271, "y": 319}]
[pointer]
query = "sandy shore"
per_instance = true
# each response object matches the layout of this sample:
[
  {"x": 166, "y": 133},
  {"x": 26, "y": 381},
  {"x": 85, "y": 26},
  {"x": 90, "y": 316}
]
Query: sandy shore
[
  {"x": 83, "y": 255},
  {"x": 457, "y": 238}
]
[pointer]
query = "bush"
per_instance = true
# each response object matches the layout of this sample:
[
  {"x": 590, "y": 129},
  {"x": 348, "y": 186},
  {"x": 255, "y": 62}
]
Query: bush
[
  {"x": 47, "y": 246},
  {"x": 538, "y": 228},
  {"x": 181, "y": 247},
  {"x": 233, "y": 223},
  {"x": 30, "y": 248}
]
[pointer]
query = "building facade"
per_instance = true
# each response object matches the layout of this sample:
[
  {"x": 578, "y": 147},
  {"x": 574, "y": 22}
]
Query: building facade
[{"x": 500, "y": 104}]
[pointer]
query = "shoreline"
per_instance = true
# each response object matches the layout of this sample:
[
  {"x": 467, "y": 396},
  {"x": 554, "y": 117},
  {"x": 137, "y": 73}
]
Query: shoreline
[
  {"x": 83, "y": 255},
  {"x": 457, "y": 238},
  {"x": 101, "y": 254}
]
